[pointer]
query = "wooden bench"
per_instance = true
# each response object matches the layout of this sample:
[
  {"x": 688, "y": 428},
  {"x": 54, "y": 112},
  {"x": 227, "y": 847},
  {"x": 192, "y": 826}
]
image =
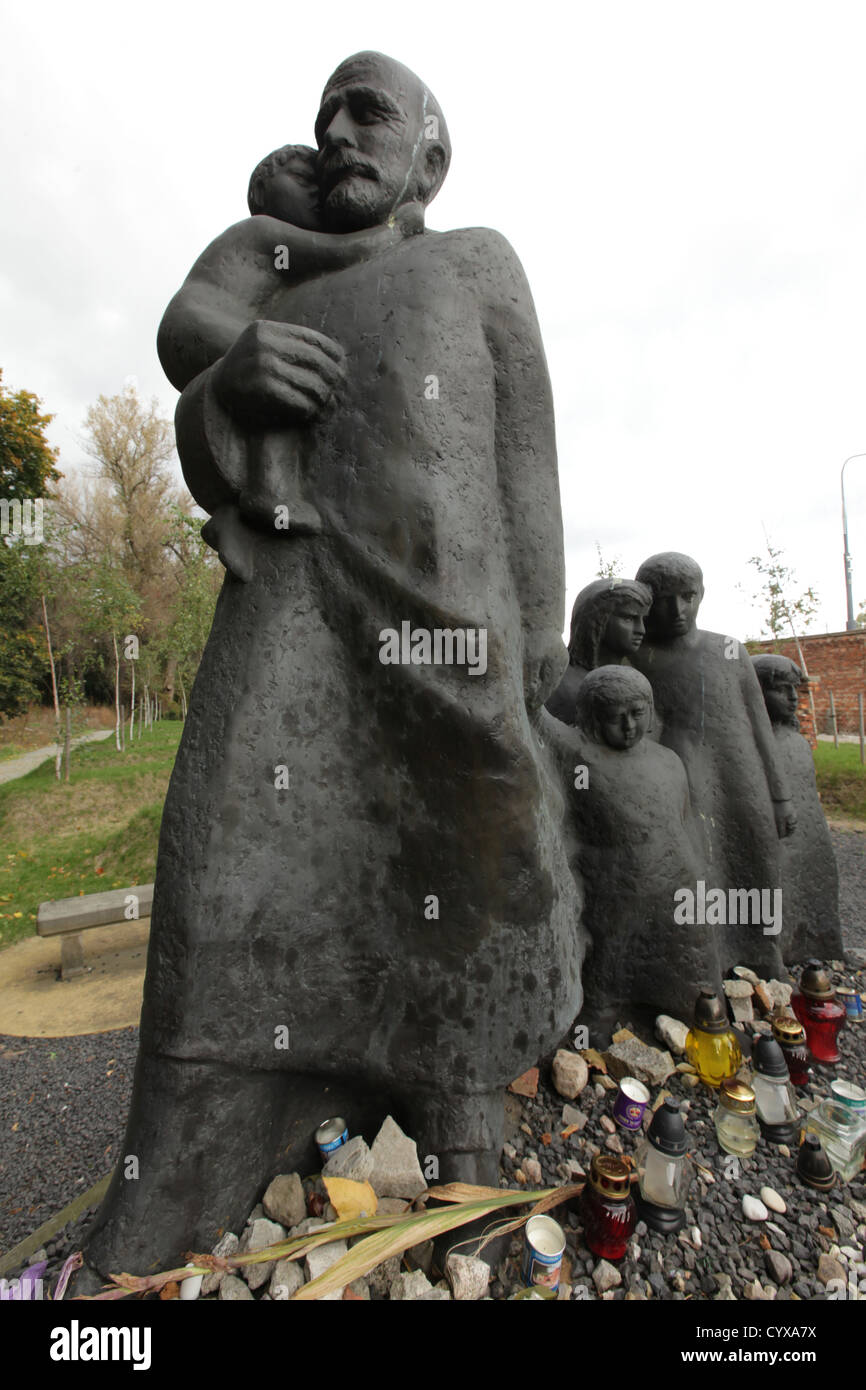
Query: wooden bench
[{"x": 68, "y": 917}]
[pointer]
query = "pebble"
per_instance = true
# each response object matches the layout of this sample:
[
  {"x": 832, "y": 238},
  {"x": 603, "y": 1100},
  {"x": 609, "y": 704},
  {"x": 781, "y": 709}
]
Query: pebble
[
  {"x": 570, "y": 1073},
  {"x": 234, "y": 1290},
  {"x": 572, "y": 1116},
  {"x": 606, "y": 1276},
  {"x": 771, "y": 1199},
  {"x": 779, "y": 1267},
  {"x": 753, "y": 1209},
  {"x": 468, "y": 1276},
  {"x": 672, "y": 1033},
  {"x": 829, "y": 1268},
  {"x": 320, "y": 1259},
  {"x": 608, "y": 1124}
]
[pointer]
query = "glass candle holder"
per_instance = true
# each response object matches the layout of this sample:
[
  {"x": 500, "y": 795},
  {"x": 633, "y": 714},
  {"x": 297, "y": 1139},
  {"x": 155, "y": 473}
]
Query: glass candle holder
[
  {"x": 736, "y": 1126},
  {"x": 842, "y": 1132},
  {"x": 791, "y": 1037},
  {"x": 711, "y": 1044},
  {"x": 663, "y": 1171},
  {"x": 819, "y": 1011},
  {"x": 775, "y": 1101},
  {"x": 846, "y": 1093},
  {"x": 607, "y": 1207}
]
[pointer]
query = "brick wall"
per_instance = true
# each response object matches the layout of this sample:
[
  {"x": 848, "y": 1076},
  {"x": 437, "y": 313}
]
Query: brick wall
[{"x": 836, "y": 663}]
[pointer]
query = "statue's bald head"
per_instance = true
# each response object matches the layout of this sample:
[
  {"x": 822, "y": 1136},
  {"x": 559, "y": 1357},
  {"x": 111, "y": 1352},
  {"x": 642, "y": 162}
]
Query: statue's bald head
[{"x": 382, "y": 142}]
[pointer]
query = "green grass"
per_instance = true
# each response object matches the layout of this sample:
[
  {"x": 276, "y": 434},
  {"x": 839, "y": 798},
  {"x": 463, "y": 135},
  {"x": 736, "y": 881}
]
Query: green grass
[
  {"x": 841, "y": 781},
  {"x": 97, "y": 831},
  {"x": 101, "y": 829}
]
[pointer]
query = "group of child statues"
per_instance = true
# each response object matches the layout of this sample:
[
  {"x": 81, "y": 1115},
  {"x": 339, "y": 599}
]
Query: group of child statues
[
  {"x": 698, "y": 833},
  {"x": 686, "y": 770}
]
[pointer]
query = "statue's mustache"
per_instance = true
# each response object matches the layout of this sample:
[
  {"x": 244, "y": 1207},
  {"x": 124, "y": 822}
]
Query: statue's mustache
[{"x": 337, "y": 167}]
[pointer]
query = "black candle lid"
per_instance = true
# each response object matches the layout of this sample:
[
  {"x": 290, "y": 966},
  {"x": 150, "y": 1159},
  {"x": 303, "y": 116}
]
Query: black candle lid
[
  {"x": 667, "y": 1133},
  {"x": 710, "y": 1013},
  {"x": 768, "y": 1058}
]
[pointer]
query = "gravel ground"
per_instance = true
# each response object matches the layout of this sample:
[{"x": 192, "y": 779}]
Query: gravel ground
[
  {"x": 65, "y": 1104},
  {"x": 64, "y": 1113},
  {"x": 850, "y": 849}
]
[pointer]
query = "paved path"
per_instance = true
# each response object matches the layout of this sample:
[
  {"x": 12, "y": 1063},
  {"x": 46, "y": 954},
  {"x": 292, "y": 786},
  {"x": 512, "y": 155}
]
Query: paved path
[{"x": 19, "y": 767}]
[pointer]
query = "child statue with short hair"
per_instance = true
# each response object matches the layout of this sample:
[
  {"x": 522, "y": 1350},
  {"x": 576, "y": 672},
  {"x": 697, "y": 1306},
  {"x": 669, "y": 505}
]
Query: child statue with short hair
[
  {"x": 238, "y": 278},
  {"x": 636, "y": 846},
  {"x": 810, "y": 879}
]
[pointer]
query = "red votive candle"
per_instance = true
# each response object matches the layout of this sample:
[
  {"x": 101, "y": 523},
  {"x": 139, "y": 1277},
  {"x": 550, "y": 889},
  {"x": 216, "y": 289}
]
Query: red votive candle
[{"x": 607, "y": 1207}]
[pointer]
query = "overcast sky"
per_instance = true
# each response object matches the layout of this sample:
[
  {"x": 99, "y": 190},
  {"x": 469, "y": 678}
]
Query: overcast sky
[{"x": 683, "y": 182}]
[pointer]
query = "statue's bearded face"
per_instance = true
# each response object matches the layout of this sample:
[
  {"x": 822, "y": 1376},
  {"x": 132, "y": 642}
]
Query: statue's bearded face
[{"x": 370, "y": 136}]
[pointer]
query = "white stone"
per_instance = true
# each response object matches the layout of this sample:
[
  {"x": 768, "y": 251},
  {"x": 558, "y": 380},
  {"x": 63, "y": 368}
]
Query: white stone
[
  {"x": 468, "y": 1276},
  {"x": 320, "y": 1260},
  {"x": 395, "y": 1170},
  {"x": 737, "y": 989},
  {"x": 234, "y": 1290},
  {"x": 286, "y": 1279},
  {"x": 672, "y": 1033},
  {"x": 309, "y": 1223},
  {"x": 257, "y": 1236},
  {"x": 284, "y": 1200},
  {"x": 225, "y": 1246},
  {"x": 742, "y": 972},
  {"x": 570, "y": 1073},
  {"x": 532, "y": 1171},
  {"x": 771, "y": 1199},
  {"x": 606, "y": 1276},
  {"x": 352, "y": 1160},
  {"x": 779, "y": 992},
  {"x": 754, "y": 1210},
  {"x": 696, "y": 1237},
  {"x": 416, "y": 1287},
  {"x": 571, "y": 1115}
]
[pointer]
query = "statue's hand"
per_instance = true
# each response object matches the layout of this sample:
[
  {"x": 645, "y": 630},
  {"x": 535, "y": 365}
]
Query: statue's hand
[
  {"x": 278, "y": 372},
  {"x": 786, "y": 818},
  {"x": 543, "y": 666}
]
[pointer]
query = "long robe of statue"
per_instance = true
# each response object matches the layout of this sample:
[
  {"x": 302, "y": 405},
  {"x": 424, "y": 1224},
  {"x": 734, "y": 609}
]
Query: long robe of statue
[{"x": 362, "y": 884}]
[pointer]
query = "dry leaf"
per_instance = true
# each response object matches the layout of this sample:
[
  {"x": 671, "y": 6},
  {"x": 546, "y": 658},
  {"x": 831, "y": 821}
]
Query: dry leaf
[
  {"x": 594, "y": 1059},
  {"x": 351, "y": 1199}
]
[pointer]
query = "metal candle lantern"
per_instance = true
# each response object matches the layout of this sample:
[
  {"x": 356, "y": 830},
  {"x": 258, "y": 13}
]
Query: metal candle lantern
[{"x": 664, "y": 1172}]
